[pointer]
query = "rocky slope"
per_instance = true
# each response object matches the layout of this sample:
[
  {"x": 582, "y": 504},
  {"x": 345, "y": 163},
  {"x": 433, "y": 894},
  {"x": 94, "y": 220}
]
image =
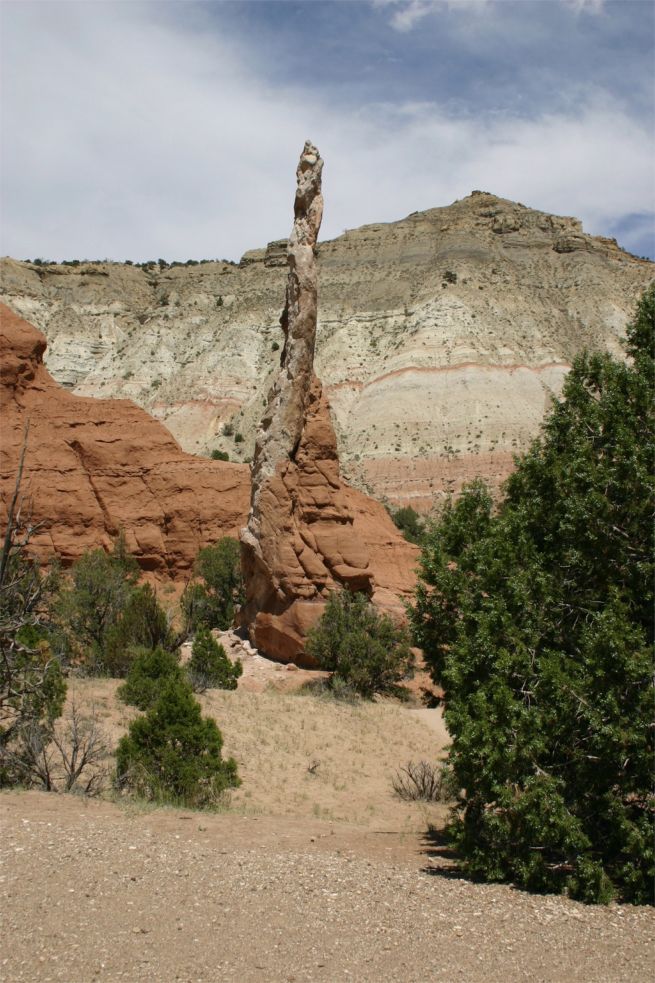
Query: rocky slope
[{"x": 441, "y": 337}]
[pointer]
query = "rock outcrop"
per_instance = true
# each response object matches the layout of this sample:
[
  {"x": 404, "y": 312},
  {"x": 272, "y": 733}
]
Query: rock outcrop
[
  {"x": 300, "y": 541},
  {"x": 441, "y": 337},
  {"x": 94, "y": 467}
]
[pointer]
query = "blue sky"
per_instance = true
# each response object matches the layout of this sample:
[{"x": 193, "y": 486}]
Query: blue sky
[{"x": 138, "y": 130}]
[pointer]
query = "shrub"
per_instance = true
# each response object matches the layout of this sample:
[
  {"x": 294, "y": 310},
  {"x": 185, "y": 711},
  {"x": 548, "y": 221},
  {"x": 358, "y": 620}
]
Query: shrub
[
  {"x": 209, "y": 666},
  {"x": 228, "y": 429},
  {"x": 66, "y": 757},
  {"x": 538, "y": 623},
  {"x": 359, "y": 646},
  {"x": 149, "y": 670},
  {"x": 32, "y": 687},
  {"x": 104, "y": 615},
  {"x": 214, "y": 602},
  {"x": 238, "y": 438},
  {"x": 418, "y": 781},
  {"x": 142, "y": 624},
  {"x": 173, "y": 754},
  {"x": 410, "y": 524},
  {"x": 217, "y": 455}
]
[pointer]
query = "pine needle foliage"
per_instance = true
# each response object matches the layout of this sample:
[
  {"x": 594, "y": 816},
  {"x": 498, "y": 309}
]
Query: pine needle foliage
[
  {"x": 149, "y": 670},
  {"x": 363, "y": 649},
  {"x": 209, "y": 666},
  {"x": 173, "y": 753},
  {"x": 538, "y": 623}
]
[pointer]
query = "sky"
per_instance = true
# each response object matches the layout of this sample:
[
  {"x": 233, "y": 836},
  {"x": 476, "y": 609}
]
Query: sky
[{"x": 133, "y": 130}]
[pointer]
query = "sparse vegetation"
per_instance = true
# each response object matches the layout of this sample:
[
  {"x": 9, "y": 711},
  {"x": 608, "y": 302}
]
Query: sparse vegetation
[
  {"x": 32, "y": 686},
  {"x": 217, "y": 455},
  {"x": 419, "y": 781}
]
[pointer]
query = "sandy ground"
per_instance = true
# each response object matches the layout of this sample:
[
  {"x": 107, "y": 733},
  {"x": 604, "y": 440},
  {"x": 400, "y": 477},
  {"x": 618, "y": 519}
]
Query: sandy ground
[{"x": 307, "y": 876}]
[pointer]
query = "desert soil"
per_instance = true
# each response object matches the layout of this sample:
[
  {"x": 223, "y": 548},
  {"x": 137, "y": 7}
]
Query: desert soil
[{"x": 307, "y": 876}]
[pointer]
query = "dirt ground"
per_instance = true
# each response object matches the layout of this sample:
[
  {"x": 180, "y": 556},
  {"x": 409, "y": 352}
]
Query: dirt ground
[{"x": 309, "y": 875}]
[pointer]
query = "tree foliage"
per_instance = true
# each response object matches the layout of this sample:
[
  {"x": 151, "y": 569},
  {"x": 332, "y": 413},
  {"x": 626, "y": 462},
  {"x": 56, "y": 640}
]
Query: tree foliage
[
  {"x": 173, "y": 754},
  {"x": 209, "y": 666},
  {"x": 410, "y": 523},
  {"x": 149, "y": 670},
  {"x": 105, "y": 616},
  {"x": 212, "y": 603},
  {"x": 32, "y": 687},
  {"x": 538, "y": 623},
  {"x": 362, "y": 648}
]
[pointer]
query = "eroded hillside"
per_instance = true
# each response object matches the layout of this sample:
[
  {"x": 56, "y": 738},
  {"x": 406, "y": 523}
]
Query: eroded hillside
[{"x": 441, "y": 338}]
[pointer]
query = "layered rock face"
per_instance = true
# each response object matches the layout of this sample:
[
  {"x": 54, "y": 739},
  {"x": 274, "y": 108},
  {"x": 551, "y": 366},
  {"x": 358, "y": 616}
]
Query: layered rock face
[
  {"x": 440, "y": 342},
  {"x": 94, "y": 467},
  {"x": 300, "y": 541}
]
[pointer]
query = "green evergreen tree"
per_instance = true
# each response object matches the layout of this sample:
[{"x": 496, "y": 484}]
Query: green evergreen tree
[
  {"x": 362, "y": 648},
  {"x": 149, "y": 670},
  {"x": 538, "y": 623},
  {"x": 209, "y": 666},
  {"x": 141, "y": 624},
  {"x": 173, "y": 754},
  {"x": 213, "y": 602}
]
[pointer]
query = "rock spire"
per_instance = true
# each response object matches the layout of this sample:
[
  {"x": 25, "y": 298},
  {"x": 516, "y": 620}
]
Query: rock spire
[{"x": 299, "y": 542}]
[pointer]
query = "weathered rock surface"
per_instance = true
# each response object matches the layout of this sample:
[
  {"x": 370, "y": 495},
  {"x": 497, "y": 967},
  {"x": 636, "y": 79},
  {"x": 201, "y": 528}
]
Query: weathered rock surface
[
  {"x": 301, "y": 541},
  {"x": 95, "y": 466},
  {"x": 440, "y": 340}
]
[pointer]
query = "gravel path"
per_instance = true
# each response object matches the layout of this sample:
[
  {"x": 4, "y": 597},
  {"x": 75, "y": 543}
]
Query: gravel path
[{"x": 94, "y": 891}]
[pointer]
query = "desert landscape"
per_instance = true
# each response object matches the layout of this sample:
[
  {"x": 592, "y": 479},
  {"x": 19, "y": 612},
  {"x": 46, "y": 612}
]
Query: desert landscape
[
  {"x": 326, "y": 569},
  {"x": 304, "y": 876}
]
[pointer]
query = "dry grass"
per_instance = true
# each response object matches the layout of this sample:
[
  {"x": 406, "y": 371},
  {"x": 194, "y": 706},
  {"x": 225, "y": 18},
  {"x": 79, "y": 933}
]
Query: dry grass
[{"x": 304, "y": 755}]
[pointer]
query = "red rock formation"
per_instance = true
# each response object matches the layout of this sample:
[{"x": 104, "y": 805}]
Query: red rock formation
[
  {"x": 96, "y": 466},
  {"x": 308, "y": 533}
]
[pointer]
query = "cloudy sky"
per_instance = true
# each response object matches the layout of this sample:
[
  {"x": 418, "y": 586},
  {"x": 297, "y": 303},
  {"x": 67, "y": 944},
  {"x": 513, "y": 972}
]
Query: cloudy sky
[{"x": 137, "y": 130}]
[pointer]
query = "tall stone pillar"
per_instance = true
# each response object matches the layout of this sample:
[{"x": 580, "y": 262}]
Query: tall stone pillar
[{"x": 299, "y": 543}]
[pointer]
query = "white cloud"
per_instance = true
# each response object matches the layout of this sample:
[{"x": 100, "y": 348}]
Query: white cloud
[
  {"x": 406, "y": 14},
  {"x": 131, "y": 136}
]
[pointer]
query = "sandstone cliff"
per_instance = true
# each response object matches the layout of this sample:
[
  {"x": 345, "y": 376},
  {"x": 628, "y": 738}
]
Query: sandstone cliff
[
  {"x": 440, "y": 341},
  {"x": 95, "y": 466}
]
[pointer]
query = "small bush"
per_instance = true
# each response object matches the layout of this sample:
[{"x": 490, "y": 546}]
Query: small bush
[
  {"x": 209, "y": 666},
  {"x": 418, "y": 781},
  {"x": 149, "y": 670},
  {"x": 359, "y": 646},
  {"x": 238, "y": 438},
  {"x": 410, "y": 523},
  {"x": 217, "y": 455},
  {"x": 173, "y": 754},
  {"x": 228, "y": 429}
]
